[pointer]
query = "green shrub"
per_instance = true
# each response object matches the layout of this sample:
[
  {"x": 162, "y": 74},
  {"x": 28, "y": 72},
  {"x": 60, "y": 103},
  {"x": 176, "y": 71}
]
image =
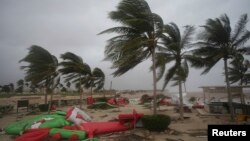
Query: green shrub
[
  {"x": 43, "y": 107},
  {"x": 192, "y": 99},
  {"x": 101, "y": 99},
  {"x": 101, "y": 105},
  {"x": 157, "y": 123}
]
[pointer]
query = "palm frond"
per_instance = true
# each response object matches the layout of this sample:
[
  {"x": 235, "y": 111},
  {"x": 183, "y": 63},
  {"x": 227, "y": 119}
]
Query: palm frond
[
  {"x": 186, "y": 37},
  {"x": 239, "y": 27},
  {"x": 169, "y": 75},
  {"x": 41, "y": 65}
]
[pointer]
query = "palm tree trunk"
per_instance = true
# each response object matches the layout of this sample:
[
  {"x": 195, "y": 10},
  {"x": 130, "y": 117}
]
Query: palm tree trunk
[
  {"x": 47, "y": 91},
  {"x": 185, "y": 89},
  {"x": 46, "y": 95},
  {"x": 154, "y": 83},
  {"x": 80, "y": 92},
  {"x": 91, "y": 91},
  {"x": 50, "y": 103},
  {"x": 181, "y": 100},
  {"x": 242, "y": 98},
  {"x": 51, "y": 95},
  {"x": 230, "y": 99}
]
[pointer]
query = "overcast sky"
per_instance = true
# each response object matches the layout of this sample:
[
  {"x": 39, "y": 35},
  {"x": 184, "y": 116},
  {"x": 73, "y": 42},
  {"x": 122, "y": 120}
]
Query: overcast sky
[{"x": 72, "y": 25}]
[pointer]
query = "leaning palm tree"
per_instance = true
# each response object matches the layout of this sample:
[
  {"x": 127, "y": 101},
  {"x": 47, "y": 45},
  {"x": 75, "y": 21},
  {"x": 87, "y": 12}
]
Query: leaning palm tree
[
  {"x": 75, "y": 69},
  {"x": 237, "y": 72},
  {"x": 41, "y": 69},
  {"x": 218, "y": 42},
  {"x": 174, "y": 51},
  {"x": 135, "y": 40},
  {"x": 94, "y": 79}
]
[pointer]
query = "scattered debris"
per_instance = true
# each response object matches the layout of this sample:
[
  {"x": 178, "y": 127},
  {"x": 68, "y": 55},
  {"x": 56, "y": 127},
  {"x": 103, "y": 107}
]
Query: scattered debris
[
  {"x": 172, "y": 132},
  {"x": 168, "y": 139}
]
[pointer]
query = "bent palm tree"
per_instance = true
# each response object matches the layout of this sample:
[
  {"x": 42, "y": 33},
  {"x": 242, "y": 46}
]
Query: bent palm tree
[
  {"x": 136, "y": 39},
  {"x": 41, "y": 70},
  {"x": 75, "y": 69},
  {"x": 94, "y": 79},
  {"x": 175, "y": 50},
  {"x": 238, "y": 73},
  {"x": 219, "y": 42}
]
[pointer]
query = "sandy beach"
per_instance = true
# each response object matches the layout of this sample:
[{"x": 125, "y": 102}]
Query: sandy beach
[{"x": 192, "y": 128}]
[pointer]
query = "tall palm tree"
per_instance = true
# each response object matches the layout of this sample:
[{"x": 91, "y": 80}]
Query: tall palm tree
[
  {"x": 175, "y": 50},
  {"x": 75, "y": 69},
  {"x": 94, "y": 79},
  {"x": 218, "y": 42},
  {"x": 135, "y": 40},
  {"x": 41, "y": 69}
]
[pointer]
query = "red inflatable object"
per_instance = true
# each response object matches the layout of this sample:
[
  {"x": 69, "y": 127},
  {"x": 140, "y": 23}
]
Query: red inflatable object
[
  {"x": 74, "y": 137},
  {"x": 126, "y": 121},
  {"x": 96, "y": 128},
  {"x": 117, "y": 101},
  {"x": 197, "y": 106},
  {"x": 34, "y": 135},
  {"x": 90, "y": 100},
  {"x": 56, "y": 137},
  {"x": 70, "y": 127}
]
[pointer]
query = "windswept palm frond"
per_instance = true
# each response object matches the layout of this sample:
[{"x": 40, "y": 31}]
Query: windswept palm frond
[
  {"x": 97, "y": 78},
  {"x": 41, "y": 69},
  {"x": 136, "y": 39},
  {"x": 41, "y": 65},
  {"x": 174, "y": 50},
  {"x": 74, "y": 70},
  {"x": 218, "y": 42}
]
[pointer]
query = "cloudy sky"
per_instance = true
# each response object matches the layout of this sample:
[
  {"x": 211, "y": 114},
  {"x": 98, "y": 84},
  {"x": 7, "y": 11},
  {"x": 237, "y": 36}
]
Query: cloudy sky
[{"x": 72, "y": 25}]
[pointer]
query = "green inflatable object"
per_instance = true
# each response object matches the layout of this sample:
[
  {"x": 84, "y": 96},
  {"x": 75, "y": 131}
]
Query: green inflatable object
[
  {"x": 66, "y": 134},
  {"x": 62, "y": 113},
  {"x": 55, "y": 123},
  {"x": 19, "y": 127}
]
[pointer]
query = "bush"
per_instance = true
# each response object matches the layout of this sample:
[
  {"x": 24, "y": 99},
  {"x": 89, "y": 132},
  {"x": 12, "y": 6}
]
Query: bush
[
  {"x": 157, "y": 123},
  {"x": 101, "y": 99},
  {"x": 101, "y": 105},
  {"x": 192, "y": 99},
  {"x": 43, "y": 107}
]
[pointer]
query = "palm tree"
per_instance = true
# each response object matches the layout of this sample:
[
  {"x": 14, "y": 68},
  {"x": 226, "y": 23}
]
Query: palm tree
[
  {"x": 175, "y": 50},
  {"x": 135, "y": 40},
  {"x": 12, "y": 87},
  {"x": 94, "y": 79},
  {"x": 219, "y": 42},
  {"x": 75, "y": 69},
  {"x": 41, "y": 70},
  {"x": 238, "y": 73},
  {"x": 20, "y": 86}
]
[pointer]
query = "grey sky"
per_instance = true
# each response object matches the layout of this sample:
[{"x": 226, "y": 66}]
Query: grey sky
[{"x": 72, "y": 25}]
